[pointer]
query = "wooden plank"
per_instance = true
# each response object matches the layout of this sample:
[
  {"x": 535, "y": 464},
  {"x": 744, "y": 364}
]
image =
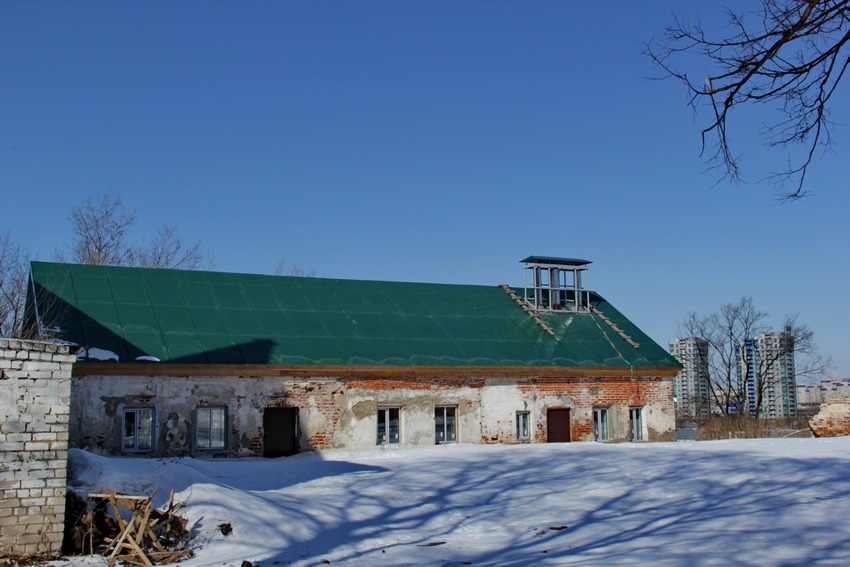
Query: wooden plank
[
  {"x": 138, "y": 532},
  {"x": 106, "y": 495},
  {"x": 143, "y": 528},
  {"x": 121, "y": 524},
  {"x": 140, "y": 552},
  {"x": 117, "y": 545},
  {"x": 342, "y": 372},
  {"x": 152, "y": 537}
]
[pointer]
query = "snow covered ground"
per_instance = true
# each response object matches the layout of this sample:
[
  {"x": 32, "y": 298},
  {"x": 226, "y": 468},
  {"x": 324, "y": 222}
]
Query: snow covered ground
[{"x": 744, "y": 502}]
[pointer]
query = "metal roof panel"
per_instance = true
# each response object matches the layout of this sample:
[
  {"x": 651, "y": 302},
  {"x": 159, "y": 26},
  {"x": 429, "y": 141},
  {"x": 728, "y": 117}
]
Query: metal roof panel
[{"x": 181, "y": 316}]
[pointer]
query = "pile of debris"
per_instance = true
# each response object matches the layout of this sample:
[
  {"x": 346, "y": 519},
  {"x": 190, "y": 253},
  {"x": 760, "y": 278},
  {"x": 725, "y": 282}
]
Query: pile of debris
[{"x": 126, "y": 528}]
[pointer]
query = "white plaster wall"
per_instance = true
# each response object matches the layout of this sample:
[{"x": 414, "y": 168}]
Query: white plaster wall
[
  {"x": 335, "y": 412},
  {"x": 98, "y": 402},
  {"x": 500, "y": 400},
  {"x": 358, "y": 420}
]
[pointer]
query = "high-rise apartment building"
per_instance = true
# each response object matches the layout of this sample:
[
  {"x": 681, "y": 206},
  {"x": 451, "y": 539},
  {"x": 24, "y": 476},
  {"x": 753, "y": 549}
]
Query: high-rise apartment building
[
  {"x": 768, "y": 375},
  {"x": 691, "y": 388},
  {"x": 815, "y": 394}
]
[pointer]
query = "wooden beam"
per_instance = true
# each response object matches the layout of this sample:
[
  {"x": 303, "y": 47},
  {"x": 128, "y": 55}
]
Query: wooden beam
[{"x": 119, "y": 369}]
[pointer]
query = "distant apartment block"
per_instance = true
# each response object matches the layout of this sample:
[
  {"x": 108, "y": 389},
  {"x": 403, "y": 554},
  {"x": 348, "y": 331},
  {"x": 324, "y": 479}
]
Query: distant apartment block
[
  {"x": 691, "y": 387},
  {"x": 768, "y": 376},
  {"x": 811, "y": 396}
]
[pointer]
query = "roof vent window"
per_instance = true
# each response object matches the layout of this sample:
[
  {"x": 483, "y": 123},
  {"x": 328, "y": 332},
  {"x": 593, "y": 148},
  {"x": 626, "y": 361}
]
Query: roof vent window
[{"x": 556, "y": 284}]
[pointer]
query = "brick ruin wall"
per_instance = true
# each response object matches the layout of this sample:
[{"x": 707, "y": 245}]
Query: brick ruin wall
[
  {"x": 35, "y": 386},
  {"x": 340, "y": 412},
  {"x": 833, "y": 419}
]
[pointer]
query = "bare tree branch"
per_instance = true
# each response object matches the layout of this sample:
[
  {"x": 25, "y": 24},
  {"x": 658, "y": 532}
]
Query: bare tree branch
[
  {"x": 102, "y": 228},
  {"x": 742, "y": 352},
  {"x": 280, "y": 269},
  {"x": 791, "y": 55},
  {"x": 13, "y": 286},
  {"x": 167, "y": 250}
]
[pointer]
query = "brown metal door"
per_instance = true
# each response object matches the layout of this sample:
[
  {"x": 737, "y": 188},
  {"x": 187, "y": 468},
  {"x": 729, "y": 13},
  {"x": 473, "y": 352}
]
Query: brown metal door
[
  {"x": 558, "y": 425},
  {"x": 280, "y": 432}
]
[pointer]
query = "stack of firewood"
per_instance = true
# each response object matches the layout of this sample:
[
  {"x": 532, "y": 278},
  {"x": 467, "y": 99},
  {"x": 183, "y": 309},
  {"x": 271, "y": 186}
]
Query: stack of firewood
[{"x": 142, "y": 534}]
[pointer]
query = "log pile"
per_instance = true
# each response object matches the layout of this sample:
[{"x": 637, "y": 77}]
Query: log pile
[{"x": 129, "y": 529}]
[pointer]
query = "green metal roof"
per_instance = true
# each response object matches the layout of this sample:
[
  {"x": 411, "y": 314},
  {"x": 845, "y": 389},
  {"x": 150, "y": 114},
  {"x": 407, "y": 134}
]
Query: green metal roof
[{"x": 224, "y": 318}]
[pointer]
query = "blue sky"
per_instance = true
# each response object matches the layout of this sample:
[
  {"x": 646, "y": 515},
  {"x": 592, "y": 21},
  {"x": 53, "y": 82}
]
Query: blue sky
[{"x": 419, "y": 141}]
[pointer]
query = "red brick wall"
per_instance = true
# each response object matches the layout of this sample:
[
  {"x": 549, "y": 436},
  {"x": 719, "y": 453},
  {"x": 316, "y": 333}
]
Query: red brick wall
[
  {"x": 833, "y": 419},
  {"x": 323, "y": 396},
  {"x": 424, "y": 383},
  {"x": 326, "y": 405},
  {"x": 586, "y": 393}
]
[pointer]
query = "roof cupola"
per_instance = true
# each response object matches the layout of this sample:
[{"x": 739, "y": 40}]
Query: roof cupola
[{"x": 556, "y": 284}]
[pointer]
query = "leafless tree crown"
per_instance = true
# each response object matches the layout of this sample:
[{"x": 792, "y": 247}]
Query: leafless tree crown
[
  {"x": 14, "y": 281},
  {"x": 790, "y": 54},
  {"x": 167, "y": 250},
  {"x": 13, "y": 286},
  {"x": 281, "y": 269},
  {"x": 102, "y": 228},
  {"x": 727, "y": 330}
]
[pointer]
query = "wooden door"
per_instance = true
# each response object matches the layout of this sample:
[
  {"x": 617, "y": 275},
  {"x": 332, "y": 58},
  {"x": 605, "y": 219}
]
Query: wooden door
[
  {"x": 558, "y": 425},
  {"x": 280, "y": 432}
]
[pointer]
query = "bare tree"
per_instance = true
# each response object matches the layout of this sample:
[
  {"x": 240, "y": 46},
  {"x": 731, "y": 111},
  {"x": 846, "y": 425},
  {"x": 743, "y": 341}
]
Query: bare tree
[
  {"x": 13, "y": 287},
  {"x": 724, "y": 331},
  {"x": 790, "y": 54},
  {"x": 810, "y": 365},
  {"x": 102, "y": 228},
  {"x": 16, "y": 297},
  {"x": 744, "y": 358},
  {"x": 167, "y": 250},
  {"x": 280, "y": 269}
]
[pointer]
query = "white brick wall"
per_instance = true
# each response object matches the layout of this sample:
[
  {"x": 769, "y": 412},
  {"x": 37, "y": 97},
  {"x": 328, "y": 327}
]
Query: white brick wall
[{"x": 35, "y": 389}]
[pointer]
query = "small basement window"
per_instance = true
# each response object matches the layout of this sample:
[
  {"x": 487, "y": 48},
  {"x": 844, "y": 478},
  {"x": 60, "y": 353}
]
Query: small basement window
[
  {"x": 388, "y": 426},
  {"x": 137, "y": 430},
  {"x": 523, "y": 429},
  {"x": 636, "y": 423},
  {"x": 211, "y": 428},
  {"x": 446, "y": 424},
  {"x": 600, "y": 424}
]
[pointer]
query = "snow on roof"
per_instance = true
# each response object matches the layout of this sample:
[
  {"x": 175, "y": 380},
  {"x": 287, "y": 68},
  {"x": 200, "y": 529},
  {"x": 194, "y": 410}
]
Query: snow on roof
[{"x": 97, "y": 354}]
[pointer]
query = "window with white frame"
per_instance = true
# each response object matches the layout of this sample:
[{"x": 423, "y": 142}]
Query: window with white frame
[
  {"x": 211, "y": 427},
  {"x": 636, "y": 423},
  {"x": 388, "y": 426},
  {"x": 600, "y": 424},
  {"x": 523, "y": 428},
  {"x": 445, "y": 419},
  {"x": 137, "y": 430}
]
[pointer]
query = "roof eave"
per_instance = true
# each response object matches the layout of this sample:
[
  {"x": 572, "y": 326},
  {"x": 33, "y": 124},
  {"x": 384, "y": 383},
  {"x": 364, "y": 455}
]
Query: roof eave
[{"x": 360, "y": 371}]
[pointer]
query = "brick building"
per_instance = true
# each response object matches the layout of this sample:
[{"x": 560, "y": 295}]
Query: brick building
[
  {"x": 222, "y": 364},
  {"x": 35, "y": 384}
]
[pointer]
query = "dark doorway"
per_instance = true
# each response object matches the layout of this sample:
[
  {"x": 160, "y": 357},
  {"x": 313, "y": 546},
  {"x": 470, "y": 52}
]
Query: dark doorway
[
  {"x": 280, "y": 432},
  {"x": 558, "y": 424}
]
